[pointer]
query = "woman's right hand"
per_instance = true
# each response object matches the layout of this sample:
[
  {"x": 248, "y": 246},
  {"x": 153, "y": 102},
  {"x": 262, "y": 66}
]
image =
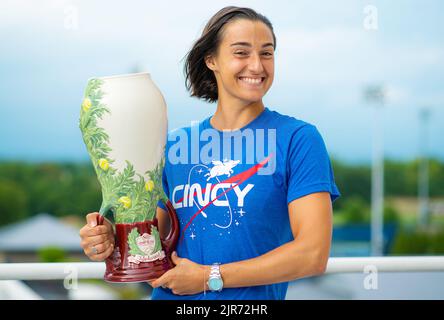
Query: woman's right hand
[{"x": 97, "y": 241}]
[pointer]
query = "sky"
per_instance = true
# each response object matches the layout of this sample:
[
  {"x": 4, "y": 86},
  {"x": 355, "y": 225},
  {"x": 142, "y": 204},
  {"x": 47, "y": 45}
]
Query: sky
[{"x": 327, "y": 54}]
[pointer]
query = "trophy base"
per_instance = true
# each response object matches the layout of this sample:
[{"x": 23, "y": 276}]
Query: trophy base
[
  {"x": 133, "y": 258},
  {"x": 141, "y": 273}
]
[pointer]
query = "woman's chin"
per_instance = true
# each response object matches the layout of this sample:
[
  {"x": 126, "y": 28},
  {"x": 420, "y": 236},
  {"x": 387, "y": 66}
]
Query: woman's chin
[{"x": 252, "y": 96}]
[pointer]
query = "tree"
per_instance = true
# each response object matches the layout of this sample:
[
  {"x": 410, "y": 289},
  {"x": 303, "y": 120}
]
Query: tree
[
  {"x": 13, "y": 202},
  {"x": 355, "y": 210}
]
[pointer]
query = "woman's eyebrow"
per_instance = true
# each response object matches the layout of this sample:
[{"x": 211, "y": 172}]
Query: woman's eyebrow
[{"x": 247, "y": 44}]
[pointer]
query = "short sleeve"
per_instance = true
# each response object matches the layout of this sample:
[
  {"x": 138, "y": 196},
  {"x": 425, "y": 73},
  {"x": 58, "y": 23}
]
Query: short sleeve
[{"x": 309, "y": 169}]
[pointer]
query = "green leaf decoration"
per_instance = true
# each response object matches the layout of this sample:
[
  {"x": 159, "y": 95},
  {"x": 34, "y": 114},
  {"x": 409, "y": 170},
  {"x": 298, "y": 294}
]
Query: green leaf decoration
[
  {"x": 155, "y": 233},
  {"x": 117, "y": 184},
  {"x": 134, "y": 248}
]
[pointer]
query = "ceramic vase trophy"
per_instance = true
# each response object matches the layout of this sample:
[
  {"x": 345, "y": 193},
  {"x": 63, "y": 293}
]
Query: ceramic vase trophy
[{"x": 123, "y": 120}]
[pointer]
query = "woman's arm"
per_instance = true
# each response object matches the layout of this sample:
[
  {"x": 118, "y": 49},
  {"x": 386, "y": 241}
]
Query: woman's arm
[
  {"x": 307, "y": 255},
  {"x": 163, "y": 221}
]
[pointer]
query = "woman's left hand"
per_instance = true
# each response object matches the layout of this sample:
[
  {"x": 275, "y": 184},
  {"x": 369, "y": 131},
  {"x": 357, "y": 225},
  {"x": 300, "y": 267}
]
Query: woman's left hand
[{"x": 187, "y": 277}]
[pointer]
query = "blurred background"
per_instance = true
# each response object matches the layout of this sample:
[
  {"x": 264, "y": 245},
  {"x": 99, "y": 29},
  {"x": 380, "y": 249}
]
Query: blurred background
[{"x": 368, "y": 74}]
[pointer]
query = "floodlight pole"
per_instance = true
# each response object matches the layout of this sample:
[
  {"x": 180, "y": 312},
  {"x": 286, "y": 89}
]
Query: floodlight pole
[
  {"x": 423, "y": 172},
  {"x": 376, "y": 95}
]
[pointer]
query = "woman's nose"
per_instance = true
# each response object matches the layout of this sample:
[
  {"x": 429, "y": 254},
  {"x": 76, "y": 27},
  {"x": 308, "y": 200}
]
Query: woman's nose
[{"x": 255, "y": 64}]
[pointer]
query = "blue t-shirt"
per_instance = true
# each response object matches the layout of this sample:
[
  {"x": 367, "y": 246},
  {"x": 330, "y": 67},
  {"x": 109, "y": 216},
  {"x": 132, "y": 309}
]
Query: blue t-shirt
[{"x": 231, "y": 191}]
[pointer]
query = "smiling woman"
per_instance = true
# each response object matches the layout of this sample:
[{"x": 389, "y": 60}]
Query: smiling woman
[
  {"x": 245, "y": 232},
  {"x": 233, "y": 39}
]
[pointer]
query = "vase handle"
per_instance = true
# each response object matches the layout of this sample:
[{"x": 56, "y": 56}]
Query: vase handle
[
  {"x": 170, "y": 241},
  {"x": 102, "y": 212}
]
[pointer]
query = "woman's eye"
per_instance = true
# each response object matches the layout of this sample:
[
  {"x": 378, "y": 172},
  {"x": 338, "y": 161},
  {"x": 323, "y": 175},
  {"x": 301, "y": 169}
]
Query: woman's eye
[{"x": 243, "y": 53}]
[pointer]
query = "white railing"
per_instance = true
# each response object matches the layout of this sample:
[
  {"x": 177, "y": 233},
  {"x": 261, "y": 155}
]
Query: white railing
[
  {"x": 95, "y": 270},
  {"x": 17, "y": 290}
]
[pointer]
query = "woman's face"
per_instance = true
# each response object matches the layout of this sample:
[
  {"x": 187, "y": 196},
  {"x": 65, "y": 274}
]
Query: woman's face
[{"x": 244, "y": 63}]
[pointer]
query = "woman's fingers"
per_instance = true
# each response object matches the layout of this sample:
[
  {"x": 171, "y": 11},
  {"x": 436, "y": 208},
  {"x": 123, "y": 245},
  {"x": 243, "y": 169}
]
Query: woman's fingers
[
  {"x": 87, "y": 231},
  {"x": 108, "y": 224},
  {"x": 91, "y": 219},
  {"x": 99, "y": 248},
  {"x": 96, "y": 240},
  {"x": 102, "y": 256},
  {"x": 98, "y": 252}
]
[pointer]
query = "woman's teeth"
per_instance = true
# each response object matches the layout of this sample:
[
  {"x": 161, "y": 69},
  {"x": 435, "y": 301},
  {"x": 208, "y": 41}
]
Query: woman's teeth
[{"x": 251, "y": 80}]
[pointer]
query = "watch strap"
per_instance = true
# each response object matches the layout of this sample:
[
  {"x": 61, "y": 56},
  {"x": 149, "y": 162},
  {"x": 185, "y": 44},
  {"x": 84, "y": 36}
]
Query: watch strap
[{"x": 214, "y": 274}]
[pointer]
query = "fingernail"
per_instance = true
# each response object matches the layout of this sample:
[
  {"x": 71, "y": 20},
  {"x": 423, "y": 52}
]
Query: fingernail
[{"x": 92, "y": 224}]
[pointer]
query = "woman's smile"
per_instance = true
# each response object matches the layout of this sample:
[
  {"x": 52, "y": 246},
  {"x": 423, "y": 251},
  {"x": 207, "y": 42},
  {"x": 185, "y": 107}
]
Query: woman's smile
[{"x": 252, "y": 82}]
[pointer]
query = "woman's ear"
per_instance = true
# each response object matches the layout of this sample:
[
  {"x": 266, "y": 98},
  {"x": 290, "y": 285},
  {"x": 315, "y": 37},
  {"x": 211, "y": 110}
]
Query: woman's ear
[{"x": 209, "y": 61}]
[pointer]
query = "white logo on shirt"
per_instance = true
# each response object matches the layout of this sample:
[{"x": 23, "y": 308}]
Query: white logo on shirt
[
  {"x": 184, "y": 195},
  {"x": 220, "y": 169}
]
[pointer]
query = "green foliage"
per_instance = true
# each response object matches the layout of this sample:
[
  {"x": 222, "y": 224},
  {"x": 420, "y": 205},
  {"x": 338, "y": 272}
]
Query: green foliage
[
  {"x": 131, "y": 293},
  {"x": 157, "y": 193},
  {"x": 13, "y": 202},
  {"x": 391, "y": 215},
  {"x": 419, "y": 242},
  {"x": 400, "y": 179},
  {"x": 122, "y": 194},
  {"x": 437, "y": 243},
  {"x": 436, "y": 173},
  {"x": 73, "y": 188},
  {"x": 352, "y": 181},
  {"x": 134, "y": 249},
  {"x": 57, "y": 188},
  {"x": 155, "y": 234},
  {"x": 355, "y": 210},
  {"x": 51, "y": 254}
]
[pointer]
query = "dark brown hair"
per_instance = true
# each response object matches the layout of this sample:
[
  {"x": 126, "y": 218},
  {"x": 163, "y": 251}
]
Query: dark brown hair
[{"x": 199, "y": 79}]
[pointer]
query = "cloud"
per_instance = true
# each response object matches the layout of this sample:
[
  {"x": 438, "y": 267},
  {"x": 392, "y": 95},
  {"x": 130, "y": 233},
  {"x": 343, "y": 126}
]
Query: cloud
[
  {"x": 324, "y": 59},
  {"x": 337, "y": 63}
]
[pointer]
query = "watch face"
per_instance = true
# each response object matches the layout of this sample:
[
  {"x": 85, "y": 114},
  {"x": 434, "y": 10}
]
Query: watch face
[{"x": 215, "y": 284}]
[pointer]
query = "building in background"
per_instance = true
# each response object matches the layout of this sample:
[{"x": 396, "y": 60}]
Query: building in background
[{"x": 22, "y": 241}]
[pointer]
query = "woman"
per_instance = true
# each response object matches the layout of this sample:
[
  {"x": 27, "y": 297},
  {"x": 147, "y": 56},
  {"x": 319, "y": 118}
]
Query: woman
[{"x": 250, "y": 221}]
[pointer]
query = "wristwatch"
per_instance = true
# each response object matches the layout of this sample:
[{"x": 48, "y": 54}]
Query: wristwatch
[{"x": 215, "y": 282}]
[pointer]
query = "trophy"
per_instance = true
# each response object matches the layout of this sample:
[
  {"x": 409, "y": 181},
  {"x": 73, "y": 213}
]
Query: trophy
[{"x": 123, "y": 120}]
